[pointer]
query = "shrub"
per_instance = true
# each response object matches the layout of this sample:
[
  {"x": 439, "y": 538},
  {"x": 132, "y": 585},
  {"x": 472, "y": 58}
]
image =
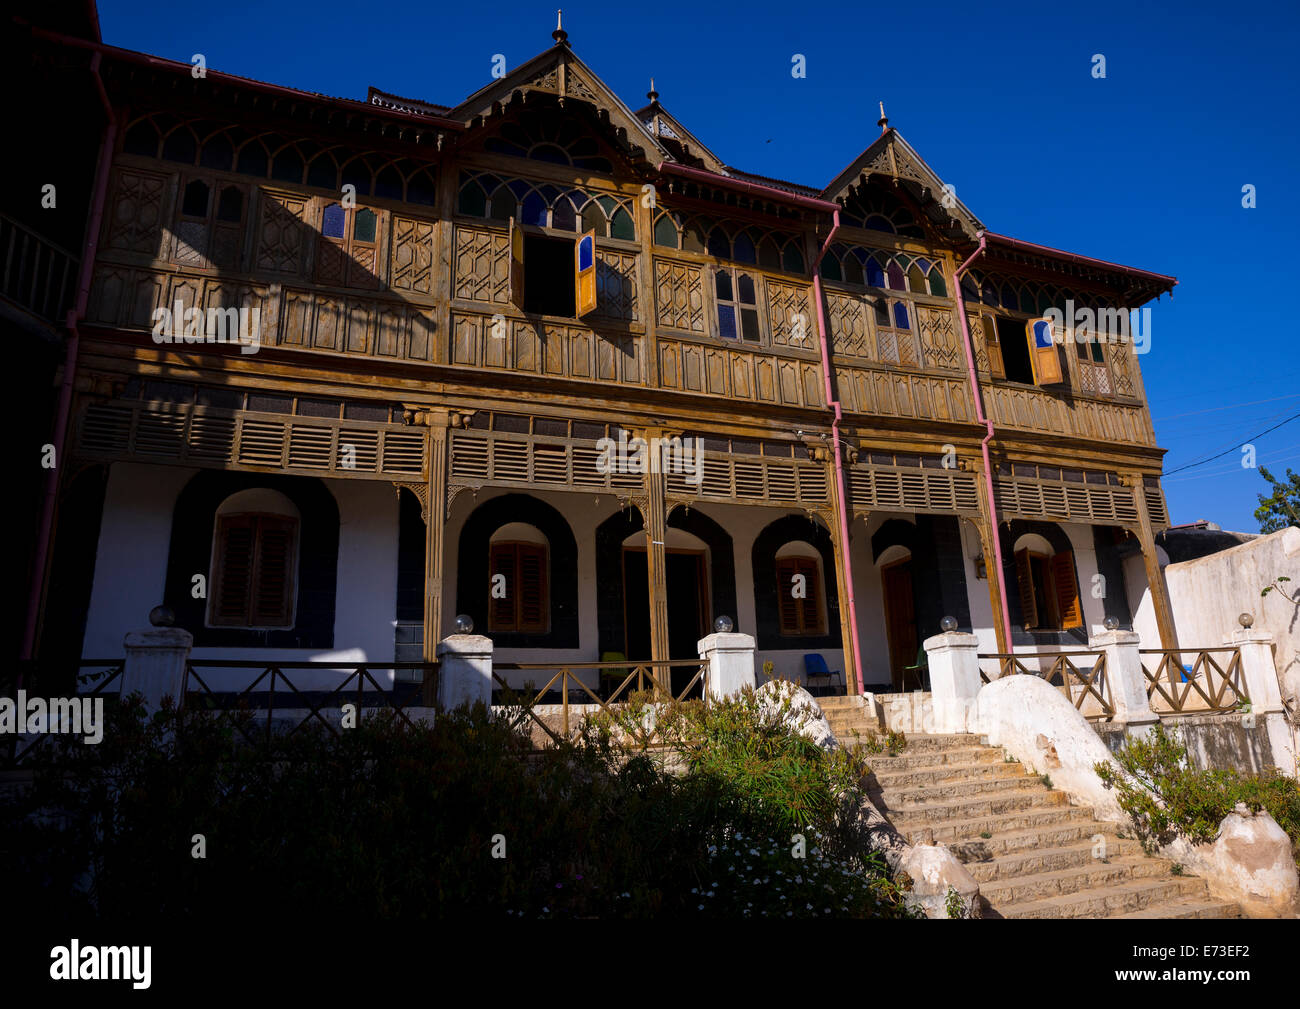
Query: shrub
[{"x": 1165, "y": 797}]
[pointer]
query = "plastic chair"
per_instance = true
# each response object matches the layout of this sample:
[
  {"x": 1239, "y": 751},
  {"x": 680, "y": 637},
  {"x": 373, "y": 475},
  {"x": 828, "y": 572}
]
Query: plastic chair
[
  {"x": 611, "y": 678},
  {"x": 814, "y": 667}
]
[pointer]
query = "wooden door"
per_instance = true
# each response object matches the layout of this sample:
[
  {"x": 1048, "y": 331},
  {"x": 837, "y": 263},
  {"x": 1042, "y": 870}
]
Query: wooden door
[{"x": 900, "y": 619}]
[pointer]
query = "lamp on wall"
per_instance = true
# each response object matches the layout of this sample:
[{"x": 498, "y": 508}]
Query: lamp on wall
[{"x": 981, "y": 569}]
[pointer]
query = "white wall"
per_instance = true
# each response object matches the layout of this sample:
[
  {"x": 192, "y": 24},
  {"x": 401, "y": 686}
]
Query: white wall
[{"x": 131, "y": 571}]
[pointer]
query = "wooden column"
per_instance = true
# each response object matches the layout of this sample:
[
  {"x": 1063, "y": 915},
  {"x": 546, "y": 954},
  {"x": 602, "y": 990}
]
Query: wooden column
[
  {"x": 656, "y": 524},
  {"x": 988, "y": 529},
  {"x": 1155, "y": 576},
  {"x": 842, "y": 587},
  {"x": 435, "y": 513}
]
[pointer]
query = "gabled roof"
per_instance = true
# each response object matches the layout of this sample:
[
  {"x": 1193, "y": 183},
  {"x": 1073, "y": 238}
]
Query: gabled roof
[
  {"x": 891, "y": 156},
  {"x": 683, "y": 144},
  {"x": 559, "y": 72}
]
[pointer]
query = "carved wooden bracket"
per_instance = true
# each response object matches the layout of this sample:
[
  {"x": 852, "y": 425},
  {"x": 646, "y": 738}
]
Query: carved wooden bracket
[{"x": 421, "y": 491}]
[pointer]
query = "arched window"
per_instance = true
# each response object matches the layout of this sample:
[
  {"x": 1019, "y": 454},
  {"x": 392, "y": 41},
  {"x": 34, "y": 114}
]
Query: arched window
[
  {"x": 253, "y": 575},
  {"x": 347, "y": 251},
  {"x": 519, "y": 581},
  {"x": 798, "y": 581},
  {"x": 1049, "y": 590},
  {"x": 737, "y": 305}
]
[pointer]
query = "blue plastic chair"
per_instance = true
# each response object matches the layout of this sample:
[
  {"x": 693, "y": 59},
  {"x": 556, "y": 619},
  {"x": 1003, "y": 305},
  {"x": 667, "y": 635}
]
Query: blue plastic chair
[{"x": 814, "y": 666}]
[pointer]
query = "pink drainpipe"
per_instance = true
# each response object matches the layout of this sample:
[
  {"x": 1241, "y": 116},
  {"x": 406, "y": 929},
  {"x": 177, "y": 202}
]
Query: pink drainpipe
[
  {"x": 988, "y": 436},
  {"x": 45, "y": 534},
  {"x": 834, "y": 404}
]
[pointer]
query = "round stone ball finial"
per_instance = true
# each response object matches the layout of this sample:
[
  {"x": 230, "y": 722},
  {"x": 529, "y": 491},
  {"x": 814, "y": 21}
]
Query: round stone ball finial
[
  {"x": 948, "y": 623},
  {"x": 464, "y": 625},
  {"x": 723, "y": 625},
  {"x": 162, "y": 616},
  {"x": 1246, "y": 620},
  {"x": 1111, "y": 623}
]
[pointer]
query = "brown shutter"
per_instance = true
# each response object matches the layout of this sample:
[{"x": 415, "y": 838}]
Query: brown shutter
[
  {"x": 501, "y": 612},
  {"x": 788, "y": 607},
  {"x": 1067, "y": 590},
  {"x": 516, "y": 264},
  {"x": 272, "y": 597},
  {"x": 993, "y": 347},
  {"x": 811, "y": 609},
  {"x": 531, "y": 582},
  {"x": 232, "y": 577},
  {"x": 1025, "y": 577}
]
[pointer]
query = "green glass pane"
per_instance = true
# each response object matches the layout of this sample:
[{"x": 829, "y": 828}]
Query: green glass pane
[
  {"x": 593, "y": 219},
  {"x": 363, "y": 228},
  {"x": 473, "y": 201},
  {"x": 831, "y": 269},
  {"x": 693, "y": 237},
  {"x": 665, "y": 232},
  {"x": 608, "y": 202},
  {"x": 621, "y": 226},
  {"x": 937, "y": 287}
]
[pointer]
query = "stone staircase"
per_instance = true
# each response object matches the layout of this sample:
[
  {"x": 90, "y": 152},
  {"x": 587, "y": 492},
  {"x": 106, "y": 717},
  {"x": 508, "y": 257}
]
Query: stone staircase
[{"x": 1030, "y": 851}]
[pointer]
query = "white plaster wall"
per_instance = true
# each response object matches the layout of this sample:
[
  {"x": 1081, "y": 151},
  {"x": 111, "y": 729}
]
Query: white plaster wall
[
  {"x": 131, "y": 570},
  {"x": 1208, "y": 593}
]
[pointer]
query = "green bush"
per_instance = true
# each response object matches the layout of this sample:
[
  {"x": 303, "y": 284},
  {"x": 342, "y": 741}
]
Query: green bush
[
  {"x": 1165, "y": 797},
  {"x": 397, "y": 822}
]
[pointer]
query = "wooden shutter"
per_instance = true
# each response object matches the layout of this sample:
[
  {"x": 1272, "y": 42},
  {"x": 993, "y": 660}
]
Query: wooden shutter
[
  {"x": 232, "y": 580},
  {"x": 584, "y": 274},
  {"x": 516, "y": 264},
  {"x": 993, "y": 347},
  {"x": 811, "y": 617},
  {"x": 1025, "y": 578},
  {"x": 332, "y": 250},
  {"x": 531, "y": 587},
  {"x": 1066, "y": 589},
  {"x": 788, "y": 607},
  {"x": 1045, "y": 360},
  {"x": 272, "y": 597},
  {"x": 501, "y": 612}
]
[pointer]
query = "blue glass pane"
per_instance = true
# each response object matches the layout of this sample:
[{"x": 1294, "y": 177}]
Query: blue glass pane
[
  {"x": 968, "y": 289},
  {"x": 877, "y": 223},
  {"x": 744, "y": 250},
  {"x": 332, "y": 222},
  {"x": 586, "y": 252},
  {"x": 862, "y": 254},
  {"x": 719, "y": 245},
  {"x": 793, "y": 259},
  {"x": 726, "y": 322},
  {"x": 1042, "y": 333},
  {"x": 900, "y": 316},
  {"x": 875, "y": 275},
  {"x": 534, "y": 210},
  {"x": 1009, "y": 298},
  {"x": 519, "y": 188}
]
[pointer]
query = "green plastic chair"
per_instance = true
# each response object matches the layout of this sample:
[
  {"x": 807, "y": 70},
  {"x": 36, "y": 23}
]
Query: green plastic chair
[{"x": 611, "y": 678}]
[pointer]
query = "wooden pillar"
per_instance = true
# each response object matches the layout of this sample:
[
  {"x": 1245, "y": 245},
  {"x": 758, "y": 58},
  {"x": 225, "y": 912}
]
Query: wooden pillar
[
  {"x": 435, "y": 512},
  {"x": 656, "y": 525},
  {"x": 842, "y": 587},
  {"x": 993, "y": 575},
  {"x": 1155, "y": 576}
]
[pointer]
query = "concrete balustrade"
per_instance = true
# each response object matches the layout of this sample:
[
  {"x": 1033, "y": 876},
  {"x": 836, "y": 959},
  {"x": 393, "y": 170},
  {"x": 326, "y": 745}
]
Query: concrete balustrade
[
  {"x": 730, "y": 657},
  {"x": 155, "y": 665},
  {"x": 954, "y": 678},
  {"x": 465, "y": 672},
  {"x": 1124, "y": 678}
]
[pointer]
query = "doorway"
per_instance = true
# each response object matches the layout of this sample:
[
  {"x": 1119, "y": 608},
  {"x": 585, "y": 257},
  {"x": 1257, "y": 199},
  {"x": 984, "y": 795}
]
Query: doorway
[
  {"x": 900, "y": 624},
  {"x": 688, "y": 607}
]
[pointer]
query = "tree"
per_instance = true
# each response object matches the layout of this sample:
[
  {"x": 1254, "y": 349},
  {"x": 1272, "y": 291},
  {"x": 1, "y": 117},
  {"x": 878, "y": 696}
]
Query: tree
[{"x": 1281, "y": 508}]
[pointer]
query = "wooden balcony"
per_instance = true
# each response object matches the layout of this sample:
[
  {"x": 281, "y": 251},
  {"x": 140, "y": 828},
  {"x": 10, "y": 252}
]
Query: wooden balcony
[{"x": 37, "y": 275}]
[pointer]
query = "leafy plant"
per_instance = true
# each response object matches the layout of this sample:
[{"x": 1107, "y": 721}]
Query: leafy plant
[
  {"x": 954, "y": 905},
  {"x": 1280, "y": 508},
  {"x": 1165, "y": 797}
]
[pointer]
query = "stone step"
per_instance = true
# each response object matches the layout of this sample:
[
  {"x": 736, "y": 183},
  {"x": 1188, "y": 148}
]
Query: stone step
[
  {"x": 977, "y": 849},
  {"x": 919, "y": 830},
  {"x": 908, "y": 759},
  {"x": 1093, "y": 875},
  {"x": 901, "y": 798},
  {"x": 943, "y": 774},
  {"x": 940, "y": 742},
  {"x": 1125, "y": 897},
  {"x": 1022, "y": 798},
  {"x": 1047, "y": 858},
  {"x": 1187, "y": 907}
]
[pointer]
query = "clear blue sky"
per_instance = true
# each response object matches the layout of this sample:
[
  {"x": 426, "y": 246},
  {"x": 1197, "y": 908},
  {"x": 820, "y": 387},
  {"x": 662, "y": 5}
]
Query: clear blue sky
[{"x": 1145, "y": 167}]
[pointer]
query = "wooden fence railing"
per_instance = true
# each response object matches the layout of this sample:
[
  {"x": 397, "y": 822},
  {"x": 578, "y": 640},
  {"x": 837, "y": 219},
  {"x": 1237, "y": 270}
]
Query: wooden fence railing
[
  {"x": 628, "y": 678},
  {"x": 34, "y": 272},
  {"x": 1078, "y": 682},
  {"x": 237, "y": 706},
  {"x": 1173, "y": 687}
]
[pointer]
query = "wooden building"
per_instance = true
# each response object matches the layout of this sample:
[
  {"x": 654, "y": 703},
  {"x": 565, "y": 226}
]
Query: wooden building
[{"x": 453, "y": 313}]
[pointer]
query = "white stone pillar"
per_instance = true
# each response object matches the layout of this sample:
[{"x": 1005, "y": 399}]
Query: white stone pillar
[
  {"x": 730, "y": 657},
  {"x": 464, "y": 671},
  {"x": 1124, "y": 676},
  {"x": 155, "y": 665},
  {"x": 1259, "y": 673},
  {"x": 954, "y": 678}
]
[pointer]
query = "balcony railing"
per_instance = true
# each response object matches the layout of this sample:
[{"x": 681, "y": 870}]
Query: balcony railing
[
  {"x": 35, "y": 274},
  {"x": 1083, "y": 682}
]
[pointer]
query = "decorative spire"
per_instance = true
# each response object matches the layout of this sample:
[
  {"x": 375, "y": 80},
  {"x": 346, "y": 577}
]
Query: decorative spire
[
  {"x": 652, "y": 94},
  {"x": 560, "y": 35},
  {"x": 883, "y": 121}
]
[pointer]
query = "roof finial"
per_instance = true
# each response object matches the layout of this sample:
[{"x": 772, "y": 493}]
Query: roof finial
[
  {"x": 883, "y": 121},
  {"x": 652, "y": 94},
  {"x": 560, "y": 35}
]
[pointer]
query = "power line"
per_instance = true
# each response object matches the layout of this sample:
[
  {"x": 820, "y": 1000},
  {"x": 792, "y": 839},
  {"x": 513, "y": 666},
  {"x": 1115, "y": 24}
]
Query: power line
[
  {"x": 1232, "y": 448},
  {"x": 1230, "y": 406}
]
